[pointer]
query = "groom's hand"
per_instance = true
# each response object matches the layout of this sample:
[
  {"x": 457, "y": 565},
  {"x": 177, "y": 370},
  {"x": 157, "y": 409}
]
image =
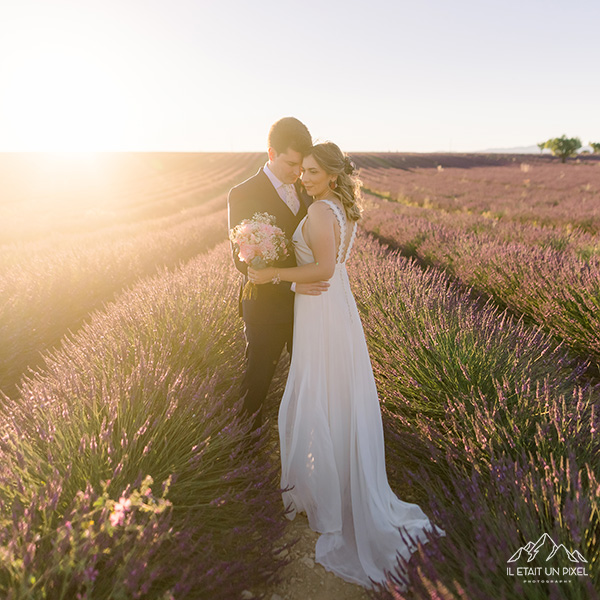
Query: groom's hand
[{"x": 312, "y": 289}]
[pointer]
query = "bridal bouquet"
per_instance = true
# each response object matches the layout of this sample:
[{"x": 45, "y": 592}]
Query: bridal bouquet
[{"x": 259, "y": 243}]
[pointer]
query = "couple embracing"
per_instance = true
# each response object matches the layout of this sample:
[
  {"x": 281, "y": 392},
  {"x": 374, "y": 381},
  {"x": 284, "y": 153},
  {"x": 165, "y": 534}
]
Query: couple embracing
[{"x": 330, "y": 427}]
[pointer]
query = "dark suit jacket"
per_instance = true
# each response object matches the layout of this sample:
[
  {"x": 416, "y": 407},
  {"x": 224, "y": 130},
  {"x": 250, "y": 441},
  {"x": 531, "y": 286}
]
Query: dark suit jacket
[{"x": 273, "y": 303}]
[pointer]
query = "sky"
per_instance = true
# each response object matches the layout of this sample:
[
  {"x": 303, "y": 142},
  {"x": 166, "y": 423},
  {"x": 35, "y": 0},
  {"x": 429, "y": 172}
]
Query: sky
[{"x": 200, "y": 75}]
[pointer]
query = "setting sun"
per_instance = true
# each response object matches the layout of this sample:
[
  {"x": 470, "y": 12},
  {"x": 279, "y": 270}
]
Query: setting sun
[
  {"x": 206, "y": 76},
  {"x": 60, "y": 100}
]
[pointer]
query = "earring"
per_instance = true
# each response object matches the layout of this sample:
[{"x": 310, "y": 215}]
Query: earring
[{"x": 333, "y": 184}]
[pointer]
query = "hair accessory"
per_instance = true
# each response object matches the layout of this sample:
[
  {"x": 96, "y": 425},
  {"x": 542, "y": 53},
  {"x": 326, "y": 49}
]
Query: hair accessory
[{"x": 349, "y": 166}]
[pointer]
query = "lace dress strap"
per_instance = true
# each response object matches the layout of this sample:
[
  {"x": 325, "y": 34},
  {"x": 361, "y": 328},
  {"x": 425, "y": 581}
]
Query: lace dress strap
[
  {"x": 352, "y": 238},
  {"x": 342, "y": 223}
]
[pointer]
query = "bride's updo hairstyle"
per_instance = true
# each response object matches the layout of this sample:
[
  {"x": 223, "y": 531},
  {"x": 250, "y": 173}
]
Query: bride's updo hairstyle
[{"x": 334, "y": 162}]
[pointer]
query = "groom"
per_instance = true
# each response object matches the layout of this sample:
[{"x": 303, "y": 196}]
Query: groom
[{"x": 269, "y": 317}]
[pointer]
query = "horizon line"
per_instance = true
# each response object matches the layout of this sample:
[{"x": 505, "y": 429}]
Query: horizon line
[{"x": 264, "y": 151}]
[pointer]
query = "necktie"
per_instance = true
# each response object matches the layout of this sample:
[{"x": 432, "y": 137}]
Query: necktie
[{"x": 290, "y": 198}]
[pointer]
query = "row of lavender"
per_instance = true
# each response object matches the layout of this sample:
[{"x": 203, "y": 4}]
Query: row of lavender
[
  {"x": 550, "y": 277},
  {"x": 580, "y": 244},
  {"x": 51, "y": 287},
  {"x": 523, "y": 189},
  {"x": 41, "y": 197},
  {"x": 123, "y": 471},
  {"x": 489, "y": 424}
]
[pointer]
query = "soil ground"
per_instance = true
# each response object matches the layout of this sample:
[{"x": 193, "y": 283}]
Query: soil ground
[{"x": 302, "y": 578}]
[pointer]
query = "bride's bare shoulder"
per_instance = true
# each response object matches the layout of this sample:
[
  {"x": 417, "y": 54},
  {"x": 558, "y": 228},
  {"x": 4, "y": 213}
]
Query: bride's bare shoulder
[{"x": 320, "y": 209}]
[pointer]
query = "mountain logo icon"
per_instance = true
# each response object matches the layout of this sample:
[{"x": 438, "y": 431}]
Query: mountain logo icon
[{"x": 546, "y": 548}]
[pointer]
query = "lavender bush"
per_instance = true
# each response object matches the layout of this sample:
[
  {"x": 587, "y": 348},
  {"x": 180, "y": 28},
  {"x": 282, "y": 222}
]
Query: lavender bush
[
  {"x": 557, "y": 290},
  {"x": 146, "y": 389},
  {"x": 488, "y": 518},
  {"x": 52, "y": 290},
  {"x": 418, "y": 223},
  {"x": 416, "y": 319},
  {"x": 101, "y": 548}
]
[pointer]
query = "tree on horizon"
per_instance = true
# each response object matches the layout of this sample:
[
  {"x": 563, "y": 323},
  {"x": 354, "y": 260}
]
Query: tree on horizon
[{"x": 562, "y": 146}]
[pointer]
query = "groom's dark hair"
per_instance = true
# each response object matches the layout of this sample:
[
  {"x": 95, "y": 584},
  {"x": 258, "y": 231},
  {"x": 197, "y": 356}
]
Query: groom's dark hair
[{"x": 289, "y": 133}]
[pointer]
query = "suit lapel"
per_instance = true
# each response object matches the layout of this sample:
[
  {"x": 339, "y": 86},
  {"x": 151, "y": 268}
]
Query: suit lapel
[{"x": 271, "y": 195}]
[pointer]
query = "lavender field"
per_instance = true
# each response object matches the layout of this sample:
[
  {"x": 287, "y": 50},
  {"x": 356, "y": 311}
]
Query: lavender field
[
  {"x": 123, "y": 469},
  {"x": 63, "y": 255},
  {"x": 525, "y": 232}
]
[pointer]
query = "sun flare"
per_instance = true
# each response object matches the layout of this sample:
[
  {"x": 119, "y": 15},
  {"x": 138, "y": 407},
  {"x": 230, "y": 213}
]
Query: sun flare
[{"x": 65, "y": 93}]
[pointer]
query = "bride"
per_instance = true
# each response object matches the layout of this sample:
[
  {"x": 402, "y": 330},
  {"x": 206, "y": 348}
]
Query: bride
[{"x": 330, "y": 428}]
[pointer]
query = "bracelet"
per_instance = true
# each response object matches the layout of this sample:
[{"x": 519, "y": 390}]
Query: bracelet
[{"x": 276, "y": 279}]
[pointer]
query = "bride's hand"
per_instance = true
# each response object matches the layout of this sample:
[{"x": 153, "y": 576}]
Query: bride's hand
[{"x": 260, "y": 276}]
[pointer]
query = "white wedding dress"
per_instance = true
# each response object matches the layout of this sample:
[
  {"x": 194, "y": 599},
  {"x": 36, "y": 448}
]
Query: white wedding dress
[{"x": 331, "y": 435}]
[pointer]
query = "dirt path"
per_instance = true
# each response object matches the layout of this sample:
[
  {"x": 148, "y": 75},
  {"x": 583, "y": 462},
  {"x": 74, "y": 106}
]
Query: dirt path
[{"x": 303, "y": 579}]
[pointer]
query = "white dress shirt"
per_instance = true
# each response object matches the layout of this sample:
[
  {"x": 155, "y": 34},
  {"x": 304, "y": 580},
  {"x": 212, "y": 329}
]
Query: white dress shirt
[{"x": 278, "y": 185}]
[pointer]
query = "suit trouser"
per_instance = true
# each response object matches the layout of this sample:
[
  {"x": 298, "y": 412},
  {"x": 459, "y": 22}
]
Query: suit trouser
[{"x": 264, "y": 343}]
